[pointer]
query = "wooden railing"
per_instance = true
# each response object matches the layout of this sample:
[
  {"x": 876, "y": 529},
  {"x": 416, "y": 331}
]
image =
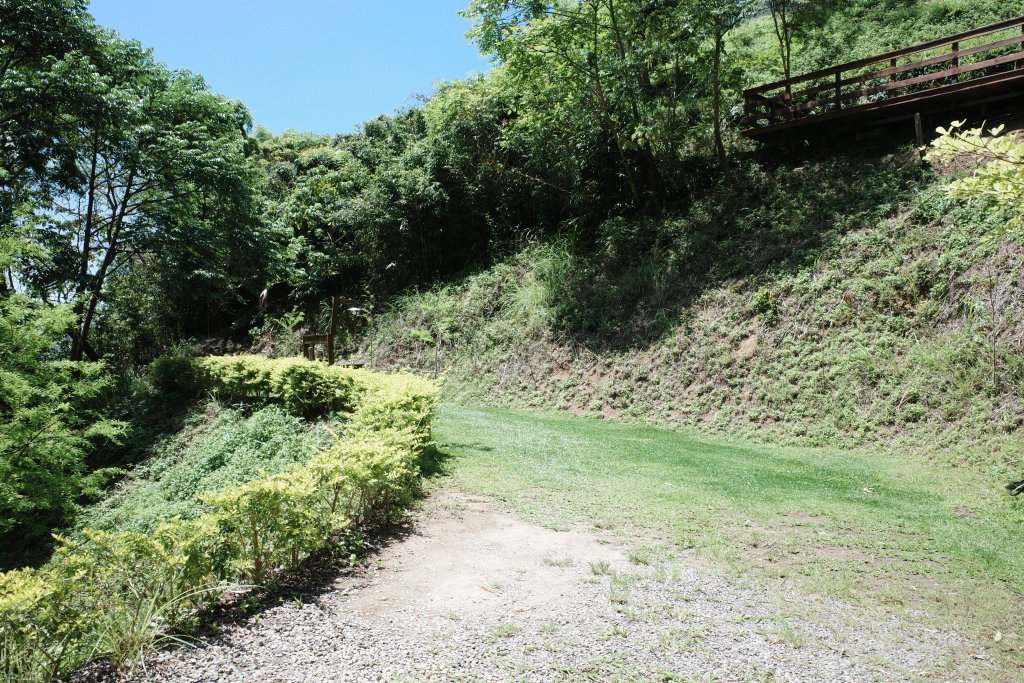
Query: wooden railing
[{"x": 889, "y": 79}]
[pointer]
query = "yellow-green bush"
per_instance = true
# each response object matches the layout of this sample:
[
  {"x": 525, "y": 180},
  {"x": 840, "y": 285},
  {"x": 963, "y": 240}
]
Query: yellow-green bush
[
  {"x": 46, "y": 618},
  {"x": 367, "y": 476},
  {"x": 268, "y": 523},
  {"x": 115, "y": 594},
  {"x": 302, "y": 387},
  {"x": 110, "y": 594},
  {"x": 402, "y": 402}
]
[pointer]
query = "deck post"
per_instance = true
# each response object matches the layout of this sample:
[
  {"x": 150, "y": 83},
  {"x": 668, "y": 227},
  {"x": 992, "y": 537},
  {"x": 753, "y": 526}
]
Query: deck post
[
  {"x": 919, "y": 129},
  {"x": 839, "y": 90},
  {"x": 956, "y": 60},
  {"x": 331, "y": 330}
]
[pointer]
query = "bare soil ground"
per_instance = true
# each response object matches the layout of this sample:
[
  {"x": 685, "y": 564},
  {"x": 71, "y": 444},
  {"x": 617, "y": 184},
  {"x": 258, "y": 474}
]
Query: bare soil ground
[{"x": 475, "y": 594}]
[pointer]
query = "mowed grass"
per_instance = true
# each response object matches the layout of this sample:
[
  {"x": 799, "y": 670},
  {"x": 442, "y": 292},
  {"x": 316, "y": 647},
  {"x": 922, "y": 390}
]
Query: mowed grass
[{"x": 943, "y": 545}]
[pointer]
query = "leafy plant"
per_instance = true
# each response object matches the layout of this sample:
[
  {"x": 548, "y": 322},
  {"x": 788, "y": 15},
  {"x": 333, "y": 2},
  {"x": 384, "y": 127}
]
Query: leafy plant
[
  {"x": 119, "y": 594},
  {"x": 301, "y": 387},
  {"x": 998, "y": 177},
  {"x": 51, "y": 418},
  {"x": 267, "y": 523}
]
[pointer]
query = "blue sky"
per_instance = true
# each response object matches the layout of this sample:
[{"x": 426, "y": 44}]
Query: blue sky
[{"x": 313, "y": 65}]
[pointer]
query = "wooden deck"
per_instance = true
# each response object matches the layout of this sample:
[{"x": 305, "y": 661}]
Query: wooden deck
[{"x": 984, "y": 64}]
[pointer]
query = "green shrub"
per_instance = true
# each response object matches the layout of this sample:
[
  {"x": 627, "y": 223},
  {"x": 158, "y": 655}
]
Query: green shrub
[
  {"x": 220, "y": 447},
  {"x": 368, "y": 476},
  {"x": 401, "y": 402},
  {"x": 309, "y": 388},
  {"x": 117, "y": 594},
  {"x": 302, "y": 387},
  {"x": 268, "y": 523},
  {"x": 111, "y": 594},
  {"x": 176, "y": 375},
  {"x": 46, "y": 618},
  {"x": 144, "y": 582},
  {"x": 52, "y": 416},
  {"x": 242, "y": 379}
]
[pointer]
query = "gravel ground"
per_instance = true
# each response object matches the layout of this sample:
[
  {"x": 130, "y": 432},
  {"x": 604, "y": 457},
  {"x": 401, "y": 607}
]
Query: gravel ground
[{"x": 474, "y": 594}]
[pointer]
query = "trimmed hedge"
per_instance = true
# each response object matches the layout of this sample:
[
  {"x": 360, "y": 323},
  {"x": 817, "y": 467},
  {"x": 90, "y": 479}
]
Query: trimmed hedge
[
  {"x": 115, "y": 595},
  {"x": 301, "y": 387}
]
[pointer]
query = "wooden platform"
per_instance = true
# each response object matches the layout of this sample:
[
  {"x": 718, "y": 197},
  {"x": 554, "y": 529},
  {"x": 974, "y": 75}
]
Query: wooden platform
[{"x": 986, "y": 64}]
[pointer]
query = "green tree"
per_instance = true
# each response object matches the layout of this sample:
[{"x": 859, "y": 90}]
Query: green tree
[
  {"x": 50, "y": 419},
  {"x": 599, "y": 72},
  {"x": 161, "y": 173},
  {"x": 47, "y": 84},
  {"x": 998, "y": 176},
  {"x": 791, "y": 18},
  {"x": 716, "y": 18}
]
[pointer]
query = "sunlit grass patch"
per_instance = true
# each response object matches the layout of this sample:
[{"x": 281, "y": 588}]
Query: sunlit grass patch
[{"x": 886, "y": 532}]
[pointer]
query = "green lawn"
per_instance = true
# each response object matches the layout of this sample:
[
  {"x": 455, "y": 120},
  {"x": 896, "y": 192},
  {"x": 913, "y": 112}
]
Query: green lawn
[{"x": 916, "y": 539}]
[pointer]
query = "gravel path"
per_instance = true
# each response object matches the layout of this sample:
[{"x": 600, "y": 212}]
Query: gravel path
[{"x": 474, "y": 594}]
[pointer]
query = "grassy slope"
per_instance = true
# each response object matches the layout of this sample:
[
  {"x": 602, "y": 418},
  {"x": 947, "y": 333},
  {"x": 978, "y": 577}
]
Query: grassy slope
[
  {"x": 928, "y": 543},
  {"x": 832, "y": 301},
  {"x": 842, "y": 303},
  {"x": 217, "y": 446}
]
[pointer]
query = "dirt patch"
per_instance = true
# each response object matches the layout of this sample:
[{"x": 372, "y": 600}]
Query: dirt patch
[
  {"x": 747, "y": 347},
  {"x": 475, "y": 594},
  {"x": 468, "y": 557},
  {"x": 803, "y": 518},
  {"x": 964, "y": 512}
]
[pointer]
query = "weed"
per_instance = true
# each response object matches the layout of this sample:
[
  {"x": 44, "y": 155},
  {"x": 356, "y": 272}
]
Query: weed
[
  {"x": 789, "y": 635},
  {"x": 600, "y": 568},
  {"x": 504, "y": 630},
  {"x": 759, "y": 674},
  {"x": 642, "y": 556},
  {"x": 677, "y": 639},
  {"x": 558, "y": 561},
  {"x": 665, "y": 573}
]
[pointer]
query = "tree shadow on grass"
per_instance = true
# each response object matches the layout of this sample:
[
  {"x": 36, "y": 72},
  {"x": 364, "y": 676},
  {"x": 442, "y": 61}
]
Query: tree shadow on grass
[{"x": 435, "y": 462}]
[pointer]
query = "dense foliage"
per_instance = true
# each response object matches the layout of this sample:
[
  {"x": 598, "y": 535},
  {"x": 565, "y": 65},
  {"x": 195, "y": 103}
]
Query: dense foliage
[
  {"x": 113, "y": 594},
  {"x": 596, "y": 111},
  {"x": 50, "y": 420},
  {"x": 998, "y": 178}
]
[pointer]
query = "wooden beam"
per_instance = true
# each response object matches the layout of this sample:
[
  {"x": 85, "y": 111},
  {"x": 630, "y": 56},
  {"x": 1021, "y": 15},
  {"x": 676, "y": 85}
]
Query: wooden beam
[
  {"x": 895, "y": 54},
  {"x": 1007, "y": 79}
]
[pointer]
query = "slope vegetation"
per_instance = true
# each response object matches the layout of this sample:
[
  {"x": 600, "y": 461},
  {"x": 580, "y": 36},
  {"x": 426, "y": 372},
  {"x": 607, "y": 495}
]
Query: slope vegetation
[{"x": 843, "y": 302}]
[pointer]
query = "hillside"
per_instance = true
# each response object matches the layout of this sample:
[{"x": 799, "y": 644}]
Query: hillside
[
  {"x": 844, "y": 301},
  {"x": 710, "y": 383}
]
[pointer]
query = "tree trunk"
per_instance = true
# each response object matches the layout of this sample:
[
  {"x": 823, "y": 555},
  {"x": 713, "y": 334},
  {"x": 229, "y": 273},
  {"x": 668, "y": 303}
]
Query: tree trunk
[
  {"x": 716, "y": 78},
  {"x": 95, "y": 287},
  {"x": 784, "y": 33},
  {"x": 78, "y": 340}
]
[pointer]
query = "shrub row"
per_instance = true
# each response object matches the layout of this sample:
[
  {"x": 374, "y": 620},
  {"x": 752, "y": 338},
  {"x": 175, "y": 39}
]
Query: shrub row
[
  {"x": 302, "y": 388},
  {"x": 115, "y": 595}
]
